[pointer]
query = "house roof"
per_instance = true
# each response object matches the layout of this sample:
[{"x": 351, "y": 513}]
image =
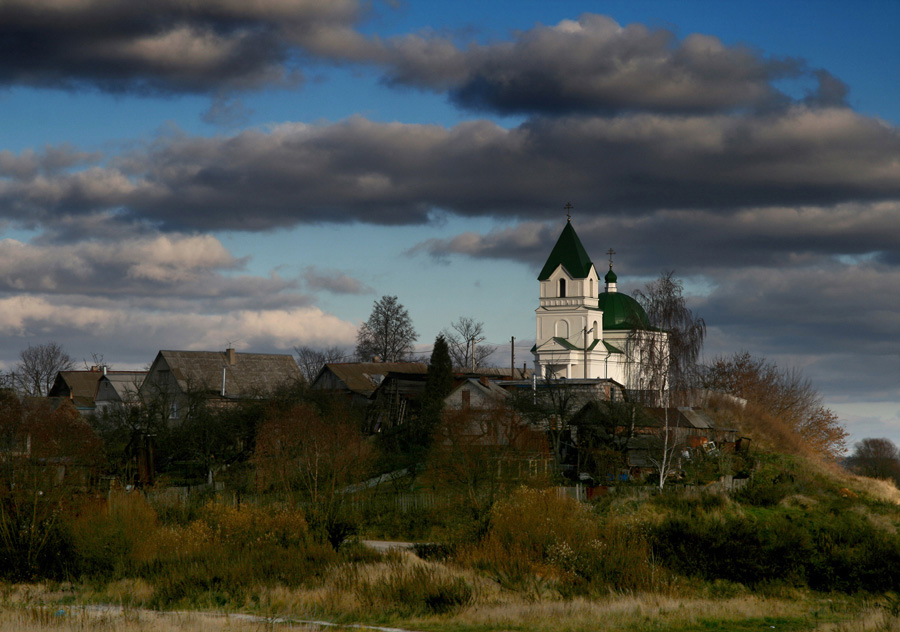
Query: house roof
[
  {"x": 364, "y": 377},
  {"x": 683, "y": 417},
  {"x": 569, "y": 253},
  {"x": 81, "y": 384},
  {"x": 250, "y": 374},
  {"x": 123, "y": 383},
  {"x": 486, "y": 386},
  {"x": 495, "y": 372}
]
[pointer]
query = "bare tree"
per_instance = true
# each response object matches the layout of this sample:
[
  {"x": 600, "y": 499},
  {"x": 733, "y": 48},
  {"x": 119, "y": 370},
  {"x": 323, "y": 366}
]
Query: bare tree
[
  {"x": 782, "y": 394},
  {"x": 551, "y": 405},
  {"x": 666, "y": 354},
  {"x": 312, "y": 455},
  {"x": 463, "y": 338},
  {"x": 311, "y": 360},
  {"x": 664, "y": 303},
  {"x": 38, "y": 366},
  {"x": 388, "y": 334}
]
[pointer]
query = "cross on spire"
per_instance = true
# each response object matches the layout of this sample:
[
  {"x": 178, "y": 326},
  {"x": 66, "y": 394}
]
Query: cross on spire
[
  {"x": 610, "y": 252},
  {"x": 568, "y": 208}
]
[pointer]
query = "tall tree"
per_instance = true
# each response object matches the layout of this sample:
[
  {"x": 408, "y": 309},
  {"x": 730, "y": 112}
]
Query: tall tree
[
  {"x": 311, "y": 360},
  {"x": 388, "y": 334},
  {"x": 38, "y": 366},
  {"x": 667, "y": 353},
  {"x": 876, "y": 458},
  {"x": 438, "y": 385},
  {"x": 663, "y": 301},
  {"x": 462, "y": 338}
]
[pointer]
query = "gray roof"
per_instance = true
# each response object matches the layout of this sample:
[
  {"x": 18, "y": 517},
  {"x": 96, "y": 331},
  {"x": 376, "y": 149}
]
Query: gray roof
[{"x": 251, "y": 373}]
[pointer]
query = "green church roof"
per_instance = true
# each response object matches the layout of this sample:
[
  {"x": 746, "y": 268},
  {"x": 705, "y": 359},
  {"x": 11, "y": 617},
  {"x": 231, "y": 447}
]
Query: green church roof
[
  {"x": 569, "y": 253},
  {"x": 620, "y": 311}
]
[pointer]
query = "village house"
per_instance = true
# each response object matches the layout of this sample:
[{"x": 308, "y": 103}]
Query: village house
[
  {"x": 117, "y": 389},
  {"x": 178, "y": 380},
  {"x": 358, "y": 381}
]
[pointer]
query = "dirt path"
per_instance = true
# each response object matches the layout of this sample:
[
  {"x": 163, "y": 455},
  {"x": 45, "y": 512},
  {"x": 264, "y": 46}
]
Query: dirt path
[{"x": 187, "y": 620}]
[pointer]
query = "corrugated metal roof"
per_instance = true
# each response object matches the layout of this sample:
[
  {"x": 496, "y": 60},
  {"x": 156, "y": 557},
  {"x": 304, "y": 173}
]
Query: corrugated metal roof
[{"x": 697, "y": 418}]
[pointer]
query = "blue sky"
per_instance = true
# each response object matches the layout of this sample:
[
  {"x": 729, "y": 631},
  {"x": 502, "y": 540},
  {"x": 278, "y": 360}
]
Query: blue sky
[{"x": 262, "y": 172}]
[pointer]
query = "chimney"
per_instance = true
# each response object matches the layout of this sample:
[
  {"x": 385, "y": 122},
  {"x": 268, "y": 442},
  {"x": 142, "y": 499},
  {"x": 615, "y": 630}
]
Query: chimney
[
  {"x": 484, "y": 380},
  {"x": 230, "y": 357}
]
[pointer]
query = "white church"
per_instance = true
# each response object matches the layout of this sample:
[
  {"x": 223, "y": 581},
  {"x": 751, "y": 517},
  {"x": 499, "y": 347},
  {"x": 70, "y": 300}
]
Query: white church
[{"x": 585, "y": 331}]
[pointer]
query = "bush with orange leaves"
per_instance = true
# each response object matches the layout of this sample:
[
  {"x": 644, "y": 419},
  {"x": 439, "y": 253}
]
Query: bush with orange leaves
[
  {"x": 783, "y": 408},
  {"x": 537, "y": 533},
  {"x": 310, "y": 454}
]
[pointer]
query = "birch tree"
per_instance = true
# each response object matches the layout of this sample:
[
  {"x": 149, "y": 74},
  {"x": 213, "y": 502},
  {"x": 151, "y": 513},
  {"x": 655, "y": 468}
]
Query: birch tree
[{"x": 667, "y": 352}]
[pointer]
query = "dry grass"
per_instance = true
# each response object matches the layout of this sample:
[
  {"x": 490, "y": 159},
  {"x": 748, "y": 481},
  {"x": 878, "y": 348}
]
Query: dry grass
[
  {"x": 66, "y": 619},
  {"x": 33, "y": 608}
]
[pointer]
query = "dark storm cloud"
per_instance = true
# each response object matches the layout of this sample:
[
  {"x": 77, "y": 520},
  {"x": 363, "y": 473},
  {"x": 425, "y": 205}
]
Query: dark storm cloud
[
  {"x": 167, "y": 45},
  {"x": 393, "y": 173},
  {"x": 594, "y": 65},
  {"x": 693, "y": 242}
]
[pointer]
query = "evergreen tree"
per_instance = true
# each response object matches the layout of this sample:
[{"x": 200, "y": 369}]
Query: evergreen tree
[{"x": 438, "y": 385}]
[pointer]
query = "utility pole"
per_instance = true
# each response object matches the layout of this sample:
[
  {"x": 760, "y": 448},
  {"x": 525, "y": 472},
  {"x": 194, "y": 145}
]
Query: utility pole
[{"x": 586, "y": 332}]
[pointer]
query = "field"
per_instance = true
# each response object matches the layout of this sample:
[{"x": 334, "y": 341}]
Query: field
[{"x": 802, "y": 546}]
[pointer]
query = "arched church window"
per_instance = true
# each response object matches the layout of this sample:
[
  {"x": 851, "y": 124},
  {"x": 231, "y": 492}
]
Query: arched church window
[
  {"x": 591, "y": 290},
  {"x": 562, "y": 329},
  {"x": 596, "y": 330},
  {"x": 562, "y": 288}
]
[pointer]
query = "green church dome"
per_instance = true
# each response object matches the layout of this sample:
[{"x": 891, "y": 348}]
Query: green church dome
[
  {"x": 610, "y": 276},
  {"x": 620, "y": 311}
]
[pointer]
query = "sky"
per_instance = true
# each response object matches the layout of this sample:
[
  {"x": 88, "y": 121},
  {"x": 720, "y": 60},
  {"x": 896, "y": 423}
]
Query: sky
[{"x": 196, "y": 175}]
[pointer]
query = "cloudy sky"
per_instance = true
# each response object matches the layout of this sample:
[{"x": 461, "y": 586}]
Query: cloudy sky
[{"x": 188, "y": 175}]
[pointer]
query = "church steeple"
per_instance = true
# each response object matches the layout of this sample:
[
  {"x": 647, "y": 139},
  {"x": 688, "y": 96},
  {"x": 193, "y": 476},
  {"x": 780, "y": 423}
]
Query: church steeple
[{"x": 569, "y": 253}]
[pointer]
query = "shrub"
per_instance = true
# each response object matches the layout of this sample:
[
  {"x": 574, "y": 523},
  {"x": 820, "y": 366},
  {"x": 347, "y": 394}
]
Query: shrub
[
  {"x": 228, "y": 550},
  {"x": 410, "y": 590},
  {"x": 108, "y": 535},
  {"x": 823, "y": 549},
  {"x": 537, "y": 532}
]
